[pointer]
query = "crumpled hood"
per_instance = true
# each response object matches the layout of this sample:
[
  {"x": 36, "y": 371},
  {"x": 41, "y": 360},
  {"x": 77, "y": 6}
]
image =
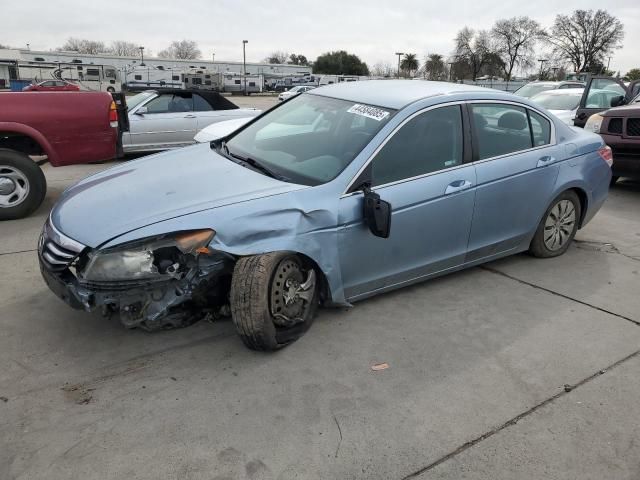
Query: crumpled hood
[{"x": 156, "y": 188}]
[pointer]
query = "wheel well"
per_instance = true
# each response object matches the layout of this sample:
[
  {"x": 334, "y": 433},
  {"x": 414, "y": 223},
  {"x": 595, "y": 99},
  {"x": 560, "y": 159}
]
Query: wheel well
[
  {"x": 582, "y": 196},
  {"x": 21, "y": 143},
  {"x": 325, "y": 291}
]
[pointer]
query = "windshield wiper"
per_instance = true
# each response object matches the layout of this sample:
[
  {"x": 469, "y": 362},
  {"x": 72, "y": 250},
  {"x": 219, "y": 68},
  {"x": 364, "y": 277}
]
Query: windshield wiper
[{"x": 256, "y": 165}]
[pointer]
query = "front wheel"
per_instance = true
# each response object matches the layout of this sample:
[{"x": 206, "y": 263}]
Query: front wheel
[
  {"x": 274, "y": 298},
  {"x": 557, "y": 227},
  {"x": 22, "y": 185}
]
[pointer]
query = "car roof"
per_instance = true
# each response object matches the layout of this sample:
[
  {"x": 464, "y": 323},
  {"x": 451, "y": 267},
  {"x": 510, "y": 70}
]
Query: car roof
[
  {"x": 217, "y": 101},
  {"x": 394, "y": 94}
]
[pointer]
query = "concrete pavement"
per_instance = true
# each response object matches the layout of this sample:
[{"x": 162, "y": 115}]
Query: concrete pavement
[{"x": 478, "y": 361}]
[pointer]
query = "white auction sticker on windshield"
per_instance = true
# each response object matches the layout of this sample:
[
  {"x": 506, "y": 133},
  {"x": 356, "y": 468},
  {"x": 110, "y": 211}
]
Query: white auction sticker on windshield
[{"x": 369, "y": 112}]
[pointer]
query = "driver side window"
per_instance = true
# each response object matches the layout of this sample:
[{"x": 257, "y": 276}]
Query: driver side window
[
  {"x": 602, "y": 91},
  {"x": 170, "y": 103},
  {"x": 427, "y": 143}
]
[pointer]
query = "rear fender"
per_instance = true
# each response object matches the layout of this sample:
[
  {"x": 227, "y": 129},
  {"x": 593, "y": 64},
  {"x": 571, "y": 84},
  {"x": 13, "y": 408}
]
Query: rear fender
[{"x": 12, "y": 127}]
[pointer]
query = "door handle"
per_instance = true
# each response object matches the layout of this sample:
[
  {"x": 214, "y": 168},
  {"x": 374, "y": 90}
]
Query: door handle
[
  {"x": 546, "y": 160},
  {"x": 189, "y": 116},
  {"x": 457, "y": 186}
]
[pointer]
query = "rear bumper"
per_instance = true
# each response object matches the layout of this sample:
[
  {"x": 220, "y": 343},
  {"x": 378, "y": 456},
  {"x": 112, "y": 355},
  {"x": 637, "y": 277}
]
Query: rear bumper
[{"x": 626, "y": 156}]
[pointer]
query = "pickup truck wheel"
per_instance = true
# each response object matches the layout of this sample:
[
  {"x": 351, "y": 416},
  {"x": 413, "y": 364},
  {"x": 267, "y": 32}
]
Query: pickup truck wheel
[
  {"x": 274, "y": 298},
  {"x": 557, "y": 227},
  {"x": 22, "y": 185}
]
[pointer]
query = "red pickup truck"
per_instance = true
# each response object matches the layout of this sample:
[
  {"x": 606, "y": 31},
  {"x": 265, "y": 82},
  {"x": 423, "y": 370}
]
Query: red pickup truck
[{"x": 68, "y": 127}]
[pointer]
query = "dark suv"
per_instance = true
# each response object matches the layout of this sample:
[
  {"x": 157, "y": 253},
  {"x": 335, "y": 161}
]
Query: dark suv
[{"x": 619, "y": 126}]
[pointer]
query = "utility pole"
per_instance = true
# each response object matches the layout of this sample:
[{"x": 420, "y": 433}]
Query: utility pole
[
  {"x": 450, "y": 70},
  {"x": 244, "y": 64},
  {"x": 541, "y": 60},
  {"x": 141, "y": 56},
  {"x": 399, "y": 55},
  {"x": 555, "y": 69}
]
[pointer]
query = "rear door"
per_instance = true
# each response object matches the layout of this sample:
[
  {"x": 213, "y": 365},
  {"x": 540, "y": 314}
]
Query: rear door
[
  {"x": 169, "y": 122},
  {"x": 516, "y": 165},
  {"x": 601, "y": 93}
]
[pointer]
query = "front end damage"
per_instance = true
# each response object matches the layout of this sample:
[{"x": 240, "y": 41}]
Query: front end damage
[{"x": 166, "y": 282}]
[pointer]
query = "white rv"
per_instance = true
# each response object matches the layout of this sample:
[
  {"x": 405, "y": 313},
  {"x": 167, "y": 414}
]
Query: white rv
[
  {"x": 202, "y": 78},
  {"x": 329, "y": 79},
  {"x": 104, "y": 78},
  {"x": 235, "y": 83},
  {"x": 143, "y": 77}
]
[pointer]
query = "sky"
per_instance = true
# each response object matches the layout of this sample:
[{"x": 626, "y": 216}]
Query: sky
[{"x": 372, "y": 29}]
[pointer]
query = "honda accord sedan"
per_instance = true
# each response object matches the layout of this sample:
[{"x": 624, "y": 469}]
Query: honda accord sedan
[{"x": 339, "y": 194}]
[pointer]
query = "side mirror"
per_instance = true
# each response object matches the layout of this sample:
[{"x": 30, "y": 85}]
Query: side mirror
[
  {"x": 141, "y": 111},
  {"x": 617, "y": 101},
  {"x": 377, "y": 213}
]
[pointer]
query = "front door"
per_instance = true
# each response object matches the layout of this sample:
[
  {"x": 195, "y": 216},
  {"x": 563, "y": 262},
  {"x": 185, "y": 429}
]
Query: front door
[
  {"x": 602, "y": 93},
  {"x": 420, "y": 170},
  {"x": 169, "y": 121}
]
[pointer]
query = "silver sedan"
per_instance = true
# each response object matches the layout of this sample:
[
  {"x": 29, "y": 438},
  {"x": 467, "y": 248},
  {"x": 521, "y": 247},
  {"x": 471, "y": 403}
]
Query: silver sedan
[{"x": 167, "y": 119}]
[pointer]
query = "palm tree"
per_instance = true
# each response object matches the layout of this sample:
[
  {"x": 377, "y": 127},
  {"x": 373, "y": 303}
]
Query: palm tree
[
  {"x": 434, "y": 67},
  {"x": 409, "y": 63}
]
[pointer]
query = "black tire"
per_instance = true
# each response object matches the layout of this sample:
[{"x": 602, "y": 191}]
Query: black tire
[
  {"x": 539, "y": 248},
  {"x": 613, "y": 181},
  {"x": 251, "y": 305},
  {"x": 10, "y": 162}
]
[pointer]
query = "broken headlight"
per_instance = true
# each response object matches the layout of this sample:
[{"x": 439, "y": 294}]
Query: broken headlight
[{"x": 149, "y": 259}]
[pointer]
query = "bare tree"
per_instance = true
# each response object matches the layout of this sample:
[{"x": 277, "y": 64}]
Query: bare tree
[
  {"x": 182, "y": 50},
  {"x": 382, "y": 69},
  {"x": 472, "y": 48},
  {"x": 81, "y": 45},
  {"x": 278, "y": 57},
  {"x": 586, "y": 38},
  {"x": 434, "y": 67},
  {"x": 4, "y": 46},
  {"x": 515, "y": 40},
  {"x": 124, "y": 49}
]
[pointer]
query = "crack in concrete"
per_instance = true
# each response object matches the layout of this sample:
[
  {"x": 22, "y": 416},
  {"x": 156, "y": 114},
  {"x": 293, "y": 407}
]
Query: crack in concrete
[
  {"x": 533, "y": 285},
  {"x": 603, "y": 247},
  {"x": 566, "y": 391},
  {"x": 340, "y": 432},
  {"x": 18, "y": 251}
]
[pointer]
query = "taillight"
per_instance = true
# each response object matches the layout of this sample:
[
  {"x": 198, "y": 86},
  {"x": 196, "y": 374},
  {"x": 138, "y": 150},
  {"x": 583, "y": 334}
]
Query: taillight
[
  {"x": 113, "y": 115},
  {"x": 606, "y": 154}
]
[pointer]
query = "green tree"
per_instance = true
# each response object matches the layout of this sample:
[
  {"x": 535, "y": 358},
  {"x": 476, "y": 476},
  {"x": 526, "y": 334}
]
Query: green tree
[
  {"x": 409, "y": 64},
  {"x": 298, "y": 59},
  {"x": 340, "y": 63},
  {"x": 633, "y": 74},
  {"x": 434, "y": 67}
]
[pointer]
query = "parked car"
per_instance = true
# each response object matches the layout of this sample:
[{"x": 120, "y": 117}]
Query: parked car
[
  {"x": 52, "y": 86},
  {"x": 220, "y": 129},
  {"x": 563, "y": 103},
  {"x": 602, "y": 93},
  {"x": 385, "y": 190},
  {"x": 67, "y": 127},
  {"x": 170, "y": 118},
  {"x": 533, "y": 88},
  {"x": 293, "y": 91}
]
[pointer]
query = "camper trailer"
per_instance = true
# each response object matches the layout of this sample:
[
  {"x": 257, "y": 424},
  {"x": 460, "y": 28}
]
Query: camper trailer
[
  {"x": 105, "y": 78},
  {"x": 202, "y": 78},
  {"x": 235, "y": 83},
  {"x": 143, "y": 77}
]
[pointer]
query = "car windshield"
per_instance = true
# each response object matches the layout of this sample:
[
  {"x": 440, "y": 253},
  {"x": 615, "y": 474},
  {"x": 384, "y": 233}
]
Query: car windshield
[
  {"x": 568, "y": 101},
  {"x": 134, "y": 101},
  {"x": 532, "y": 89},
  {"x": 310, "y": 139}
]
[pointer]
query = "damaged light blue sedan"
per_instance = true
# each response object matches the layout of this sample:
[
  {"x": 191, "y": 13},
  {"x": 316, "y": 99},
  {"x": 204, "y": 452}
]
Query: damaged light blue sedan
[{"x": 338, "y": 194}]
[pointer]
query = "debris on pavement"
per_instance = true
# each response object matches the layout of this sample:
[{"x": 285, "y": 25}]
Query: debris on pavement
[{"x": 379, "y": 366}]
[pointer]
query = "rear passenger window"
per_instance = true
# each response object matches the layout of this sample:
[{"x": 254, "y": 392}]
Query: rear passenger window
[
  {"x": 500, "y": 129},
  {"x": 427, "y": 143},
  {"x": 200, "y": 104},
  {"x": 540, "y": 129}
]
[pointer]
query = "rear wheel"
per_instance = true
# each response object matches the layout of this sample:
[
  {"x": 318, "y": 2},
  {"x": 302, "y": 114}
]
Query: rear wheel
[
  {"x": 557, "y": 227},
  {"x": 22, "y": 185},
  {"x": 274, "y": 298}
]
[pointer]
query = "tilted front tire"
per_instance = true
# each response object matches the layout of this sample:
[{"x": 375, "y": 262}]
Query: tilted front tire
[
  {"x": 274, "y": 298},
  {"x": 22, "y": 185},
  {"x": 557, "y": 227}
]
